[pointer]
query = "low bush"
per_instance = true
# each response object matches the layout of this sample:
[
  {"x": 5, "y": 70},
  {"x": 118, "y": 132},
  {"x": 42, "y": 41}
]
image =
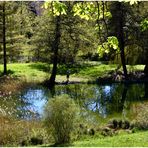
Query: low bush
[
  {"x": 120, "y": 124},
  {"x": 14, "y": 132},
  {"x": 141, "y": 120},
  {"x": 10, "y": 84},
  {"x": 36, "y": 141},
  {"x": 60, "y": 115}
]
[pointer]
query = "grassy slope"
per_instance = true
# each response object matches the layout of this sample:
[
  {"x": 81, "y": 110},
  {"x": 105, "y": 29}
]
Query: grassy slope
[
  {"x": 41, "y": 71},
  {"x": 123, "y": 140},
  {"x": 29, "y": 71}
]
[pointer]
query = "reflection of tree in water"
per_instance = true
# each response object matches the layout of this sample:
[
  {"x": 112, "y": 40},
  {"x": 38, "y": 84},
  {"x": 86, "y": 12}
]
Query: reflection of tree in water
[
  {"x": 90, "y": 97},
  {"x": 103, "y": 100},
  {"x": 131, "y": 93},
  {"x": 146, "y": 90},
  {"x": 121, "y": 97},
  {"x": 36, "y": 97}
]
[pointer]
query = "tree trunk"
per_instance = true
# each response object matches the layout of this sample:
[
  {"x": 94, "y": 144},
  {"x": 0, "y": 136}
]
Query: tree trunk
[
  {"x": 120, "y": 36},
  {"x": 55, "y": 48},
  {"x": 146, "y": 69},
  {"x": 4, "y": 40},
  {"x": 117, "y": 24}
]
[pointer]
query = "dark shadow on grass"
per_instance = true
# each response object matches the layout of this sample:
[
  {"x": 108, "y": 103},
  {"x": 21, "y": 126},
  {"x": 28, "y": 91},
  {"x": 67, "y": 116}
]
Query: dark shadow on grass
[
  {"x": 40, "y": 66},
  {"x": 59, "y": 145},
  {"x": 9, "y": 72},
  {"x": 74, "y": 68}
]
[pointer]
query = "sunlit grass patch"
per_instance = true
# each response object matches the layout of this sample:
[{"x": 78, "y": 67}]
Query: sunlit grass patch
[
  {"x": 38, "y": 72},
  {"x": 123, "y": 140},
  {"x": 29, "y": 71},
  {"x": 96, "y": 71}
]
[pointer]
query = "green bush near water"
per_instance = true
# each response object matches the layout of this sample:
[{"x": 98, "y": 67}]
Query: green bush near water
[
  {"x": 14, "y": 132},
  {"x": 141, "y": 120},
  {"x": 60, "y": 116}
]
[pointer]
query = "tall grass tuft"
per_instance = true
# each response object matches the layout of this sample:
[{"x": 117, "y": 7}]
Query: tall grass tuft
[
  {"x": 60, "y": 117},
  {"x": 141, "y": 119}
]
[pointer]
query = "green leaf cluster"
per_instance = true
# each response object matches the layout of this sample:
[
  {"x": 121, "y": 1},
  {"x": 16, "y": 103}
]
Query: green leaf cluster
[
  {"x": 144, "y": 24},
  {"x": 111, "y": 43},
  {"x": 89, "y": 11},
  {"x": 56, "y": 8},
  {"x": 131, "y": 2},
  {"x": 84, "y": 10}
]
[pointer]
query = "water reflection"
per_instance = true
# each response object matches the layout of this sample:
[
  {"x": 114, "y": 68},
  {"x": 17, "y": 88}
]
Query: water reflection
[
  {"x": 27, "y": 104},
  {"x": 146, "y": 90},
  {"x": 37, "y": 99},
  {"x": 101, "y": 100}
]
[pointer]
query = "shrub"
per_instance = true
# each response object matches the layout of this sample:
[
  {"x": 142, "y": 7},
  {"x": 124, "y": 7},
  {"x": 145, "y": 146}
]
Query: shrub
[
  {"x": 126, "y": 124},
  {"x": 141, "y": 120},
  {"x": 60, "y": 115},
  {"x": 115, "y": 123},
  {"x": 14, "y": 132},
  {"x": 10, "y": 84},
  {"x": 120, "y": 124},
  {"x": 84, "y": 130},
  {"x": 36, "y": 141}
]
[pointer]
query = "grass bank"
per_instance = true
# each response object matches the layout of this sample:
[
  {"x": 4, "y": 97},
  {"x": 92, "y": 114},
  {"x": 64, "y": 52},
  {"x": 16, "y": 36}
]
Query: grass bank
[
  {"x": 38, "y": 72},
  {"x": 122, "y": 140},
  {"x": 16, "y": 132},
  {"x": 28, "y": 71}
]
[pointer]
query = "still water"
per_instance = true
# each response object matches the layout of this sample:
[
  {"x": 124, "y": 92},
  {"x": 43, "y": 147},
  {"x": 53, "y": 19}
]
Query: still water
[{"x": 101, "y": 101}]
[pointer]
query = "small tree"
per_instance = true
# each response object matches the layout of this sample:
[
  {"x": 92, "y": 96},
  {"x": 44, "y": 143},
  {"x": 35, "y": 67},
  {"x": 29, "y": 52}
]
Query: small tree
[{"x": 60, "y": 115}]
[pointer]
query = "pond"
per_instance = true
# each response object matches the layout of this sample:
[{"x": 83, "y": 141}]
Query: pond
[{"x": 95, "y": 101}]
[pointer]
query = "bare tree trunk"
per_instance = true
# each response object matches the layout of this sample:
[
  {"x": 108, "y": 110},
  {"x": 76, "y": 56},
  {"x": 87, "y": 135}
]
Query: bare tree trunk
[
  {"x": 120, "y": 36},
  {"x": 4, "y": 40},
  {"x": 55, "y": 48}
]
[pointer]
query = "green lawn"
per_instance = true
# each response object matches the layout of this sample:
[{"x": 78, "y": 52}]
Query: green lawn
[
  {"x": 29, "y": 71},
  {"x": 124, "y": 140},
  {"x": 82, "y": 72}
]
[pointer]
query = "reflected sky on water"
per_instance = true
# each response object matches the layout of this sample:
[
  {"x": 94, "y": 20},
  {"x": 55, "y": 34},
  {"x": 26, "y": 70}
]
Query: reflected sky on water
[{"x": 103, "y": 100}]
